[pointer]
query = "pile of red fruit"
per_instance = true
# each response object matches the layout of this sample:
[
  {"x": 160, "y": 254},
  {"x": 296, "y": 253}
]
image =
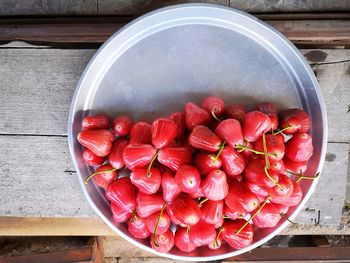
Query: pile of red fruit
[{"x": 201, "y": 177}]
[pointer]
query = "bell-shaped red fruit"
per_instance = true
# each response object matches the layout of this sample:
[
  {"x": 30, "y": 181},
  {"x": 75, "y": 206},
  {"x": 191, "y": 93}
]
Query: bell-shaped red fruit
[
  {"x": 203, "y": 138},
  {"x": 170, "y": 189},
  {"x": 215, "y": 185},
  {"x": 186, "y": 210},
  {"x": 294, "y": 120},
  {"x": 235, "y": 111},
  {"x": 182, "y": 240},
  {"x": 146, "y": 182},
  {"x": 299, "y": 148},
  {"x": 92, "y": 159},
  {"x": 123, "y": 193},
  {"x": 188, "y": 178},
  {"x": 267, "y": 217},
  {"x": 255, "y": 173},
  {"x": 212, "y": 212},
  {"x": 104, "y": 175},
  {"x": 163, "y": 132},
  {"x": 119, "y": 214},
  {"x": 163, "y": 243},
  {"x": 240, "y": 195},
  {"x": 233, "y": 162},
  {"x": 180, "y": 121},
  {"x": 148, "y": 204},
  {"x": 175, "y": 157},
  {"x": 138, "y": 155},
  {"x": 237, "y": 240},
  {"x": 122, "y": 125},
  {"x": 195, "y": 115},
  {"x": 214, "y": 106},
  {"x": 97, "y": 141},
  {"x": 141, "y": 133},
  {"x": 163, "y": 223},
  {"x": 137, "y": 227},
  {"x": 230, "y": 131},
  {"x": 115, "y": 158},
  {"x": 202, "y": 234},
  {"x": 255, "y": 123},
  {"x": 274, "y": 147},
  {"x": 95, "y": 122},
  {"x": 206, "y": 162}
]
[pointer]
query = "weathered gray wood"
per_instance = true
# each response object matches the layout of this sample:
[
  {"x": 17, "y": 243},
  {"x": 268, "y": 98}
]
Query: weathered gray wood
[
  {"x": 39, "y": 73},
  {"x": 289, "y": 5},
  {"x": 48, "y": 7},
  {"x": 35, "y": 178}
]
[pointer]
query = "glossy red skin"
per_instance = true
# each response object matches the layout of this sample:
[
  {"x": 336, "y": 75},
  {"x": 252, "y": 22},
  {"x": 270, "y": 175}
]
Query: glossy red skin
[
  {"x": 141, "y": 132},
  {"x": 212, "y": 212},
  {"x": 299, "y": 148},
  {"x": 95, "y": 122},
  {"x": 104, "y": 179},
  {"x": 254, "y": 172},
  {"x": 274, "y": 121},
  {"x": 138, "y": 155},
  {"x": 257, "y": 190},
  {"x": 163, "y": 132},
  {"x": 186, "y": 210},
  {"x": 239, "y": 195},
  {"x": 97, "y": 141},
  {"x": 170, "y": 188},
  {"x": 147, "y": 184},
  {"x": 280, "y": 137},
  {"x": 123, "y": 193},
  {"x": 182, "y": 240},
  {"x": 230, "y": 131},
  {"x": 165, "y": 242},
  {"x": 277, "y": 166},
  {"x": 233, "y": 162},
  {"x": 175, "y": 157},
  {"x": 173, "y": 218},
  {"x": 240, "y": 240},
  {"x": 266, "y": 107},
  {"x": 214, "y": 104},
  {"x": 234, "y": 214},
  {"x": 295, "y": 167},
  {"x": 277, "y": 195},
  {"x": 188, "y": 178},
  {"x": 195, "y": 115},
  {"x": 148, "y": 204},
  {"x": 283, "y": 209},
  {"x": 216, "y": 244},
  {"x": 180, "y": 121},
  {"x": 248, "y": 153},
  {"x": 115, "y": 157},
  {"x": 202, "y": 234},
  {"x": 203, "y": 138},
  {"x": 255, "y": 123},
  {"x": 197, "y": 194},
  {"x": 294, "y": 199},
  {"x": 137, "y": 227},
  {"x": 273, "y": 146},
  {"x": 297, "y": 118},
  {"x": 122, "y": 125},
  {"x": 92, "y": 159},
  {"x": 163, "y": 225},
  {"x": 205, "y": 162},
  {"x": 268, "y": 217},
  {"x": 119, "y": 214},
  {"x": 235, "y": 111},
  {"x": 215, "y": 186}
]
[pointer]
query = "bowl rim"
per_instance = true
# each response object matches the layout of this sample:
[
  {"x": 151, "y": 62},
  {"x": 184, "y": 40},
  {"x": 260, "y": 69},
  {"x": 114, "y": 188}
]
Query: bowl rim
[{"x": 253, "y": 19}]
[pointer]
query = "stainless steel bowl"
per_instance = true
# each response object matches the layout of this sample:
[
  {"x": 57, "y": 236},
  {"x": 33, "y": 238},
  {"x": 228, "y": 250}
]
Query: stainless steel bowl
[{"x": 182, "y": 53}]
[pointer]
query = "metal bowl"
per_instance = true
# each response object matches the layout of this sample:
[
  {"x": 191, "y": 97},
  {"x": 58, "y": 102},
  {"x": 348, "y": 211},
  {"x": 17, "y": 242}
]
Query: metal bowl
[{"x": 158, "y": 62}]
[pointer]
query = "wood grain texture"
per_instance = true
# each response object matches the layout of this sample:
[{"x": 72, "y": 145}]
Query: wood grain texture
[
  {"x": 39, "y": 73},
  {"x": 47, "y": 7},
  {"x": 289, "y": 5}
]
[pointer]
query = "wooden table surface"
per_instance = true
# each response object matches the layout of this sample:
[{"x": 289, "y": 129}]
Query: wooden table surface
[{"x": 39, "y": 189}]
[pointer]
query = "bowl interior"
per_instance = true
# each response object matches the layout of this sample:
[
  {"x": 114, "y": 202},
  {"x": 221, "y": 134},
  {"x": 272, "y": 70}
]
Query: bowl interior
[{"x": 158, "y": 63}]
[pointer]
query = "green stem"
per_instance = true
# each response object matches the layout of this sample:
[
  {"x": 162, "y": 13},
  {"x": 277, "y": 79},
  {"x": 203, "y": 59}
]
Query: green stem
[
  {"x": 150, "y": 164},
  {"x": 226, "y": 217},
  {"x": 284, "y": 129},
  {"x": 267, "y": 162},
  {"x": 302, "y": 176},
  {"x": 188, "y": 230},
  {"x": 273, "y": 180},
  {"x": 290, "y": 221},
  {"x": 102, "y": 172},
  {"x": 214, "y": 116},
  {"x": 256, "y": 212},
  {"x": 203, "y": 201},
  {"x": 219, "y": 152},
  {"x": 156, "y": 227},
  {"x": 217, "y": 236},
  {"x": 241, "y": 148}
]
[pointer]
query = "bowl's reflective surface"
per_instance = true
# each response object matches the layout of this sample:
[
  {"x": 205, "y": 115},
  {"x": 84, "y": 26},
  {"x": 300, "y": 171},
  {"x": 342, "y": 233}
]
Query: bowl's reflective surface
[{"x": 157, "y": 63}]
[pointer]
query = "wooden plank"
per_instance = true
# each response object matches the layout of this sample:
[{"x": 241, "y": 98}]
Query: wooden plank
[
  {"x": 36, "y": 178},
  {"x": 51, "y": 7},
  {"x": 97, "y": 30},
  {"x": 58, "y": 71},
  {"x": 290, "y": 5}
]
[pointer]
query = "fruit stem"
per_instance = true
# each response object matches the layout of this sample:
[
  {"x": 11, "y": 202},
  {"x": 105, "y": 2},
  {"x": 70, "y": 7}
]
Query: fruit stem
[
  {"x": 290, "y": 221},
  {"x": 214, "y": 116},
  {"x": 203, "y": 201},
  {"x": 284, "y": 129},
  {"x": 134, "y": 216},
  {"x": 219, "y": 152},
  {"x": 217, "y": 236},
  {"x": 267, "y": 162},
  {"x": 101, "y": 172},
  {"x": 157, "y": 224},
  {"x": 241, "y": 148},
  {"x": 226, "y": 217},
  {"x": 150, "y": 164},
  {"x": 302, "y": 176},
  {"x": 188, "y": 230},
  {"x": 256, "y": 212},
  {"x": 273, "y": 180}
]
